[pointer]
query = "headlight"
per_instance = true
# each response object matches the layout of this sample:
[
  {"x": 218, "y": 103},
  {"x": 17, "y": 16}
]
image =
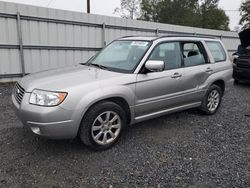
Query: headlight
[{"x": 47, "y": 98}]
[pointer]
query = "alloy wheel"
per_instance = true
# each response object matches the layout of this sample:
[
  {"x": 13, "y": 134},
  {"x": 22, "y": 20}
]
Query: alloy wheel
[
  {"x": 213, "y": 100},
  {"x": 106, "y": 127}
]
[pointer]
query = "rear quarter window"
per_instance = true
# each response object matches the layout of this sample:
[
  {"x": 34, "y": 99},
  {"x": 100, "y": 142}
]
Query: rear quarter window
[{"x": 217, "y": 51}]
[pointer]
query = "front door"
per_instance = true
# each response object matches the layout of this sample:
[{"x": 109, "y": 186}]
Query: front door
[{"x": 158, "y": 91}]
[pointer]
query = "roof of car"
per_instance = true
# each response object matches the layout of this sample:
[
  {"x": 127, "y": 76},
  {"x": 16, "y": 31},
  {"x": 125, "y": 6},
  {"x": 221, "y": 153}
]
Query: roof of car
[{"x": 152, "y": 38}]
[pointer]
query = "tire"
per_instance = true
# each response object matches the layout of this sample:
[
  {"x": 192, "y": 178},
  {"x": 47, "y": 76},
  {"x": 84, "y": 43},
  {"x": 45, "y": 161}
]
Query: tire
[
  {"x": 211, "y": 98},
  {"x": 236, "y": 81},
  {"x": 103, "y": 120}
]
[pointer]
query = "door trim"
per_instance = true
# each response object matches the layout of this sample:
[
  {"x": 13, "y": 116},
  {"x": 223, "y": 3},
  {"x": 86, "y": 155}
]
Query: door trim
[{"x": 166, "y": 111}]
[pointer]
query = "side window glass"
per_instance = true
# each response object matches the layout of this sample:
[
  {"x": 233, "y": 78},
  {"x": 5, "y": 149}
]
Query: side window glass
[
  {"x": 192, "y": 55},
  {"x": 217, "y": 51},
  {"x": 170, "y": 53}
]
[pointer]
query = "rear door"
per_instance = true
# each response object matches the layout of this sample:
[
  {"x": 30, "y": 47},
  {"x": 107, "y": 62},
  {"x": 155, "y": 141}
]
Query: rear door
[{"x": 197, "y": 69}]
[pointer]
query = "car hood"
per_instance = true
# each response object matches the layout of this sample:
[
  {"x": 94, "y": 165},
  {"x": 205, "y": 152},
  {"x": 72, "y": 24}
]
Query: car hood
[
  {"x": 245, "y": 38},
  {"x": 63, "y": 78}
]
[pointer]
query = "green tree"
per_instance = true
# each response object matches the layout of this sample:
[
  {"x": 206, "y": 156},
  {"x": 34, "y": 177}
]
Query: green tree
[
  {"x": 149, "y": 10},
  {"x": 212, "y": 17},
  {"x": 245, "y": 14},
  {"x": 179, "y": 12},
  {"x": 196, "y": 13},
  {"x": 129, "y": 9}
]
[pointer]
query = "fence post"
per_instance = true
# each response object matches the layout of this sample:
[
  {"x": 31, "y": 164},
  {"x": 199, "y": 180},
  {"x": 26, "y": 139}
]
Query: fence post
[
  {"x": 20, "y": 40},
  {"x": 103, "y": 34},
  {"x": 157, "y": 32}
]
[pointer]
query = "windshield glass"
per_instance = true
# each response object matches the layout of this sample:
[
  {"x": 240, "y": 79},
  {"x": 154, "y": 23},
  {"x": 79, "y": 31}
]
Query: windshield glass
[{"x": 121, "y": 56}]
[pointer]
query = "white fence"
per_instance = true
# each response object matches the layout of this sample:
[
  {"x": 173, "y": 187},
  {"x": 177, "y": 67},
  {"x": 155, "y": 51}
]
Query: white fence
[{"x": 35, "y": 38}]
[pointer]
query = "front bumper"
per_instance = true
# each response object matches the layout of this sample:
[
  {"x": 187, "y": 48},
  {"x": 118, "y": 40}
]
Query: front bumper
[
  {"x": 241, "y": 73},
  {"x": 50, "y": 122}
]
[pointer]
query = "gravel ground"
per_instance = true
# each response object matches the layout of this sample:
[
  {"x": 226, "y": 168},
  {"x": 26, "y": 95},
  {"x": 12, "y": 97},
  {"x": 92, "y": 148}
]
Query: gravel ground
[{"x": 184, "y": 149}]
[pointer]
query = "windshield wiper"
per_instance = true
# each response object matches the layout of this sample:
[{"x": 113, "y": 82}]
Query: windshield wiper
[
  {"x": 99, "y": 66},
  {"x": 83, "y": 63}
]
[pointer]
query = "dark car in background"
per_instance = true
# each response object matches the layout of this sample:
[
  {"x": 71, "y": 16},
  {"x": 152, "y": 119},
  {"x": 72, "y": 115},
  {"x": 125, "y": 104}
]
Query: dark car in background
[{"x": 242, "y": 58}]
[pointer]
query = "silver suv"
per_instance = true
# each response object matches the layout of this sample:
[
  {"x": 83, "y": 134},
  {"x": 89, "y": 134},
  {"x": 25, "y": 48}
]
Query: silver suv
[{"x": 131, "y": 80}]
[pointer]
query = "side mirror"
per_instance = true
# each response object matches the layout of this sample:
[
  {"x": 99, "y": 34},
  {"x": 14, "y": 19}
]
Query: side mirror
[{"x": 155, "y": 66}]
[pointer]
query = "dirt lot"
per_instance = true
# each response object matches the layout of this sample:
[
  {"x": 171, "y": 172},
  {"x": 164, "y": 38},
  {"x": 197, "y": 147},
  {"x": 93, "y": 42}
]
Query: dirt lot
[{"x": 184, "y": 149}]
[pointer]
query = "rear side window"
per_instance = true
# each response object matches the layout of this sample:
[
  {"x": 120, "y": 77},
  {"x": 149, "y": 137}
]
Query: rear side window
[
  {"x": 193, "y": 54},
  {"x": 217, "y": 51}
]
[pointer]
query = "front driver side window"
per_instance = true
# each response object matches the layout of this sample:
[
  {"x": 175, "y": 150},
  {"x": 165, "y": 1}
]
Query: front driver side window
[{"x": 170, "y": 53}]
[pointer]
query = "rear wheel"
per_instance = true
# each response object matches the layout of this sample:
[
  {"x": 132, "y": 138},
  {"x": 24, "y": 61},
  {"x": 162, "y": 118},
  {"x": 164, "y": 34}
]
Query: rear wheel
[
  {"x": 102, "y": 125},
  {"x": 212, "y": 100}
]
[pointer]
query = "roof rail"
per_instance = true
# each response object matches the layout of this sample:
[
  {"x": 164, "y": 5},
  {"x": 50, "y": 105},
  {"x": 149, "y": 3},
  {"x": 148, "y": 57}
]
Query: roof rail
[
  {"x": 128, "y": 36},
  {"x": 187, "y": 35},
  {"x": 174, "y": 35}
]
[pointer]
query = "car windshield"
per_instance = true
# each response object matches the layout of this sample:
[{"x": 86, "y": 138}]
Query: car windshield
[{"x": 120, "y": 56}]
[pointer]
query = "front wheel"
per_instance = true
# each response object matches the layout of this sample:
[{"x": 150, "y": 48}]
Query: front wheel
[
  {"x": 102, "y": 125},
  {"x": 212, "y": 100}
]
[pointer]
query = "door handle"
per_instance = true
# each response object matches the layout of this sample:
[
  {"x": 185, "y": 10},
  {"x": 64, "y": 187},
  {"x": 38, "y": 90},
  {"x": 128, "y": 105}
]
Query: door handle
[
  {"x": 176, "y": 75},
  {"x": 209, "y": 70}
]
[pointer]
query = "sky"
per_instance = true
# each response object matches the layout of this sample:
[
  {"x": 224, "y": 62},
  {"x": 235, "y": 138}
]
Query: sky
[{"x": 106, "y": 7}]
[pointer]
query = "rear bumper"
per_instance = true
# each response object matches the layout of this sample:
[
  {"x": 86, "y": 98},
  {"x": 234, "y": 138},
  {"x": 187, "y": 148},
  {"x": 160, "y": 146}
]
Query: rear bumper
[{"x": 50, "y": 122}]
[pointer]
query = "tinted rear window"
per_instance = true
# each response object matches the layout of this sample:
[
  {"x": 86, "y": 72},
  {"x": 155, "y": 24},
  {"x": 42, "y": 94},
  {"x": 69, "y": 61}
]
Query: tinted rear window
[{"x": 217, "y": 51}]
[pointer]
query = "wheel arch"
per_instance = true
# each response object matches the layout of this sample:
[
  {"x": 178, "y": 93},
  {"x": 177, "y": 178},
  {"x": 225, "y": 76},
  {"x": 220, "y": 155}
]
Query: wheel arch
[
  {"x": 221, "y": 84},
  {"x": 117, "y": 100}
]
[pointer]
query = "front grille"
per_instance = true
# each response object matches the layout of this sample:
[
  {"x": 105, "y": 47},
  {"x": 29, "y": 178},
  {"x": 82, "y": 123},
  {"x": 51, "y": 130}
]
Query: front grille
[
  {"x": 243, "y": 64},
  {"x": 245, "y": 56},
  {"x": 18, "y": 93}
]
